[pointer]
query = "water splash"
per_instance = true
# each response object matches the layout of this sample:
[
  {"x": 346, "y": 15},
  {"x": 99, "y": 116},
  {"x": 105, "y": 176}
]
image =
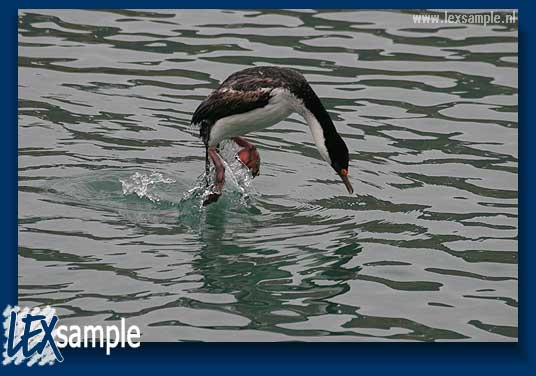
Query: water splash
[
  {"x": 238, "y": 179},
  {"x": 142, "y": 184}
]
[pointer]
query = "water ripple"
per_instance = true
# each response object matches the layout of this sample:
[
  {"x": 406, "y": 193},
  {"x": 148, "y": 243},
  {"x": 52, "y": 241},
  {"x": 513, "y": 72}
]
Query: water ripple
[{"x": 111, "y": 178}]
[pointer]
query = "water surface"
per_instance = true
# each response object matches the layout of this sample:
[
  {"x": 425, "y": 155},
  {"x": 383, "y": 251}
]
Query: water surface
[{"x": 109, "y": 218}]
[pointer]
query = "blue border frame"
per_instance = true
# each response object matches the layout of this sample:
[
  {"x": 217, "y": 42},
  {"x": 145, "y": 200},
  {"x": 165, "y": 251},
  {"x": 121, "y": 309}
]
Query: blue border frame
[{"x": 267, "y": 358}]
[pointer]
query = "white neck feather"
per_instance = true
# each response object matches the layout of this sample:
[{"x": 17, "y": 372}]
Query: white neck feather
[{"x": 318, "y": 134}]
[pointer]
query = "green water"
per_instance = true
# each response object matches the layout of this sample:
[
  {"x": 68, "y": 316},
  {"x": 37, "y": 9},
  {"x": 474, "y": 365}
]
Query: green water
[{"x": 110, "y": 223}]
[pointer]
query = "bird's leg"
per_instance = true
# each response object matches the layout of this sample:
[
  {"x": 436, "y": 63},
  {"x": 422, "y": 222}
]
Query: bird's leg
[
  {"x": 207, "y": 166},
  {"x": 248, "y": 155},
  {"x": 220, "y": 177}
]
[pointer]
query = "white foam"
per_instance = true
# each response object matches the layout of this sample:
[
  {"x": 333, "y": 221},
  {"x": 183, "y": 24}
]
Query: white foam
[{"x": 141, "y": 184}]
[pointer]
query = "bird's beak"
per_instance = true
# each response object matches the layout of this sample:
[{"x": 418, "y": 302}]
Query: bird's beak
[{"x": 344, "y": 176}]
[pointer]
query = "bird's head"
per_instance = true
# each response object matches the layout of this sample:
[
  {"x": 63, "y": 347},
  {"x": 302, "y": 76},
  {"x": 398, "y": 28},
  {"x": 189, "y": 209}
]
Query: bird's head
[{"x": 339, "y": 157}]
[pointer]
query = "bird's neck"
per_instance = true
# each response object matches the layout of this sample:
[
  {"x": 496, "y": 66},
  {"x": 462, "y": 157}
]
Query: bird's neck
[{"x": 320, "y": 123}]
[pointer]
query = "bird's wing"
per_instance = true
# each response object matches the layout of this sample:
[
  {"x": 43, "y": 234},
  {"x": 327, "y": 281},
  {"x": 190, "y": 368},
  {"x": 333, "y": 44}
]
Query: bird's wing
[{"x": 227, "y": 102}]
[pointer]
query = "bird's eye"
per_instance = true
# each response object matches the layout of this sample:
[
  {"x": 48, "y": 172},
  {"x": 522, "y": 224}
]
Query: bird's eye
[{"x": 343, "y": 172}]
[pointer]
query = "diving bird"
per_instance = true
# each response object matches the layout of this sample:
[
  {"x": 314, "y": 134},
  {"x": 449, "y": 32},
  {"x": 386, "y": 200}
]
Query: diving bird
[{"x": 257, "y": 98}]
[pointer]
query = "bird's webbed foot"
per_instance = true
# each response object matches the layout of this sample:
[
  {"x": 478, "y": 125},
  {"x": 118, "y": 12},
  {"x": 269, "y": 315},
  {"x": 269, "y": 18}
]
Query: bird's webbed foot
[{"x": 249, "y": 155}]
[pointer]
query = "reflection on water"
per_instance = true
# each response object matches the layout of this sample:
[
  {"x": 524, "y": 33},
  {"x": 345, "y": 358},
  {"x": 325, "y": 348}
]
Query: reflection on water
[{"x": 110, "y": 178}]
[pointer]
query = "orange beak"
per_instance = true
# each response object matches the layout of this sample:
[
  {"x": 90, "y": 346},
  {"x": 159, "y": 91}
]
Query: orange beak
[{"x": 344, "y": 176}]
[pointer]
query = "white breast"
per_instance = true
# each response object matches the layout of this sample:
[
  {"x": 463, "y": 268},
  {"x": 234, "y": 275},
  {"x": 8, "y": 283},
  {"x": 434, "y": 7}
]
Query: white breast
[{"x": 282, "y": 103}]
